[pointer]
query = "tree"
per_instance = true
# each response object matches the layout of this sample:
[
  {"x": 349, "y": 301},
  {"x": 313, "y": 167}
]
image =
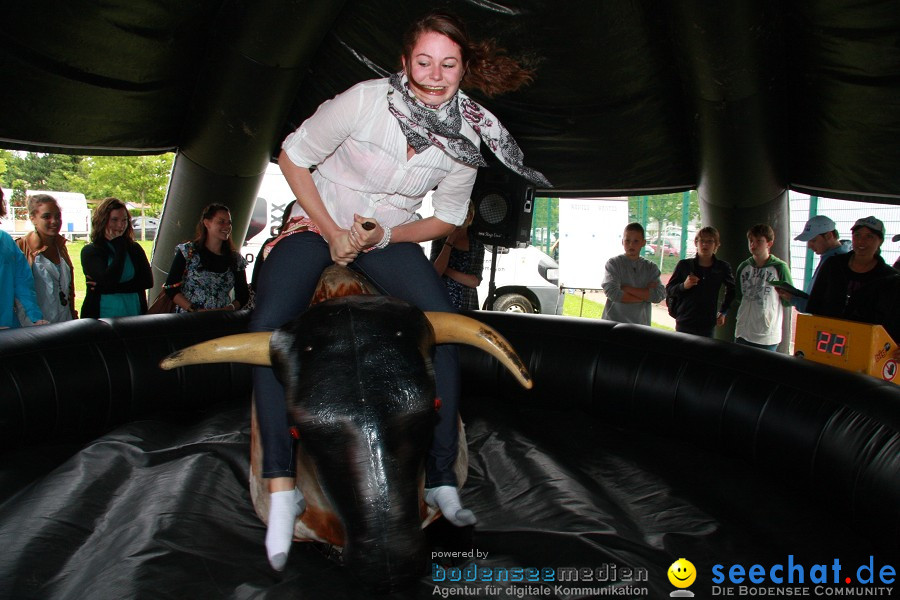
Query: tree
[
  {"x": 140, "y": 180},
  {"x": 17, "y": 199},
  {"x": 5, "y": 157},
  {"x": 41, "y": 171},
  {"x": 664, "y": 209},
  {"x": 546, "y": 216}
]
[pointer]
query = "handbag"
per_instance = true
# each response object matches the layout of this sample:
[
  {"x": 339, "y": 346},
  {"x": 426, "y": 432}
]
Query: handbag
[{"x": 164, "y": 303}]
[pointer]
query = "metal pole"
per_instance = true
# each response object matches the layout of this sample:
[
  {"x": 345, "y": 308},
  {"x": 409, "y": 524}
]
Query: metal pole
[
  {"x": 685, "y": 217},
  {"x": 643, "y": 210},
  {"x": 492, "y": 285},
  {"x": 808, "y": 263}
]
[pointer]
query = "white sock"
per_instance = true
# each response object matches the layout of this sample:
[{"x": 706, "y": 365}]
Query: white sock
[
  {"x": 446, "y": 498},
  {"x": 284, "y": 508}
]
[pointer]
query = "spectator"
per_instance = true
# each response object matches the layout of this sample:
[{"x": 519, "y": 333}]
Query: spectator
[
  {"x": 16, "y": 282},
  {"x": 694, "y": 287},
  {"x": 631, "y": 283},
  {"x": 115, "y": 266},
  {"x": 821, "y": 236},
  {"x": 206, "y": 270},
  {"x": 859, "y": 285},
  {"x": 51, "y": 267},
  {"x": 459, "y": 260},
  {"x": 760, "y": 314}
]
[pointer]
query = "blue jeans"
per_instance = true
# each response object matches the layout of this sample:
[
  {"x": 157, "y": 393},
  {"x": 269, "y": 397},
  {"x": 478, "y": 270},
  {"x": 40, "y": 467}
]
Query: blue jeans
[
  {"x": 286, "y": 284},
  {"x": 744, "y": 342}
]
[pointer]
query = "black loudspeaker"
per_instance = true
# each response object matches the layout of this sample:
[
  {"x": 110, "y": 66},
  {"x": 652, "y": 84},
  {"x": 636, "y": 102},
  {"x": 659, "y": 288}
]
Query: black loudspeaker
[{"x": 504, "y": 206}]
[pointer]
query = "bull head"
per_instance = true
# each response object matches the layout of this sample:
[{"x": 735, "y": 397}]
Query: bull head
[{"x": 359, "y": 384}]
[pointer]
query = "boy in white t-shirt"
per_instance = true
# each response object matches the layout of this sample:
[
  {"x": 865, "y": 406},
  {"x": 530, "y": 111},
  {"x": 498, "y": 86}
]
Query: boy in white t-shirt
[{"x": 760, "y": 315}]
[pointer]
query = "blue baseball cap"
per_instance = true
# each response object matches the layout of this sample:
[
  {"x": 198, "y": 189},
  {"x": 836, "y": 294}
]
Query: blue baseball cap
[{"x": 818, "y": 225}]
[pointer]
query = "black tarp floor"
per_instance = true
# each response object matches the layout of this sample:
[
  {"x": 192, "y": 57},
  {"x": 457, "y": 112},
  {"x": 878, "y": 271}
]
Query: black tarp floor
[{"x": 156, "y": 510}]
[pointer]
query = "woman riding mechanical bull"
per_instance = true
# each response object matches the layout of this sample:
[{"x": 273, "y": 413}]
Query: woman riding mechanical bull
[{"x": 377, "y": 149}]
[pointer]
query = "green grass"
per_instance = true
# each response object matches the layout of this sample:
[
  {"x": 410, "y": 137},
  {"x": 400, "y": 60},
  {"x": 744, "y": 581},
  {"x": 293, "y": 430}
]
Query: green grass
[
  {"x": 74, "y": 249},
  {"x": 574, "y": 307}
]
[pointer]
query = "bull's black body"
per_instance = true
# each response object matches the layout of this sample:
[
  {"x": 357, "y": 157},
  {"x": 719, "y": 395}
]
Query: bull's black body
[{"x": 360, "y": 386}]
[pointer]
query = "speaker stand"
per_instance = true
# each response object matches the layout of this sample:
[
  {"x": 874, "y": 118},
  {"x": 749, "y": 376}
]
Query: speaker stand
[{"x": 492, "y": 284}]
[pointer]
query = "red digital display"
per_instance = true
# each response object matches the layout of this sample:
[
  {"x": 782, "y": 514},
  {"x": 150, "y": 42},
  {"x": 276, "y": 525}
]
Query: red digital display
[{"x": 831, "y": 343}]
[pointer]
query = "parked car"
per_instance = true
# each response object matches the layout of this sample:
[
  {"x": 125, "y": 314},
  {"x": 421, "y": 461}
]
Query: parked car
[
  {"x": 669, "y": 248},
  {"x": 149, "y": 225}
]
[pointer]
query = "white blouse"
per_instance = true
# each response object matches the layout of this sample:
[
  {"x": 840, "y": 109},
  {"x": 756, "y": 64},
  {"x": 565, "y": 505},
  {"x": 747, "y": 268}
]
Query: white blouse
[
  {"x": 50, "y": 280},
  {"x": 361, "y": 167}
]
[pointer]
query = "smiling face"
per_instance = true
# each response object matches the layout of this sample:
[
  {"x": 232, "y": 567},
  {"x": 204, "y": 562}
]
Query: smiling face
[
  {"x": 218, "y": 228},
  {"x": 47, "y": 219},
  {"x": 435, "y": 68},
  {"x": 866, "y": 243},
  {"x": 117, "y": 223},
  {"x": 682, "y": 573}
]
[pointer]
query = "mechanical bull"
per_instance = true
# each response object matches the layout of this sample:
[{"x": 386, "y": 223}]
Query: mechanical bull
[{"x": 359, "y": 384}]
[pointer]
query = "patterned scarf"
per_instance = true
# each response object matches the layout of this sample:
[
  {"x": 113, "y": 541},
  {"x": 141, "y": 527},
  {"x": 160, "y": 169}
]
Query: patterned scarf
[{"x": 441, "y": 127}]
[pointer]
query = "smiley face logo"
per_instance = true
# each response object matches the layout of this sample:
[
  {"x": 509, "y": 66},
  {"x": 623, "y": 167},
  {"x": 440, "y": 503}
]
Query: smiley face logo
[{"x": 682, "y": 573}]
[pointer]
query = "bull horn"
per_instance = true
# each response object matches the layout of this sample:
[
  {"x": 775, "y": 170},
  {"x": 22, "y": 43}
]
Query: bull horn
[
  {"x": 249, "y": 348},
  {"x": 451, "y": 328}
]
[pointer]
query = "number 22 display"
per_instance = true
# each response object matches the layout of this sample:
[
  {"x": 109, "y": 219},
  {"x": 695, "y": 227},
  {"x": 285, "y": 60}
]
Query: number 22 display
[{"x": 831, "y": 343}]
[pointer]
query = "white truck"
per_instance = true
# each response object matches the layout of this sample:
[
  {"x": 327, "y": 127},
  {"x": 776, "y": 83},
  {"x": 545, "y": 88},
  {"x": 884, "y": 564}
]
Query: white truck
[
  {"x": 272, "y": 199},
  {"x": 526, "y": 280}
]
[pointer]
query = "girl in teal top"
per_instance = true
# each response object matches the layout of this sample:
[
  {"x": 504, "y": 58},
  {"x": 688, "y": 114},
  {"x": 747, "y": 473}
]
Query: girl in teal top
[{"x": 115, "y": 266}]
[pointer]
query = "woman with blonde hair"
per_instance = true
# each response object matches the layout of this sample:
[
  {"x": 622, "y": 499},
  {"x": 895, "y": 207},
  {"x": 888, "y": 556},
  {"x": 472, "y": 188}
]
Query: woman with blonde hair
[
  {"x": 45, "y": 249},
  {"x": 115, "y": 266}
]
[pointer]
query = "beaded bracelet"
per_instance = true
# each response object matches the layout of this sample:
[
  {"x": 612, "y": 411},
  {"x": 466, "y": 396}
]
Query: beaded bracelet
[{"x": 385, "y": 240}]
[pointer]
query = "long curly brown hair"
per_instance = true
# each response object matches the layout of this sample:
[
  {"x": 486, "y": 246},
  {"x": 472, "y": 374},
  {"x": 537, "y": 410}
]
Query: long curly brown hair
[{"x": 488, "y": 67}]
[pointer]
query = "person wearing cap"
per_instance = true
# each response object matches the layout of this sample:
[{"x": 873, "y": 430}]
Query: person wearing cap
[
  {"x": 821, "y": 236},
  {"x": 859, "y": 285}
]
